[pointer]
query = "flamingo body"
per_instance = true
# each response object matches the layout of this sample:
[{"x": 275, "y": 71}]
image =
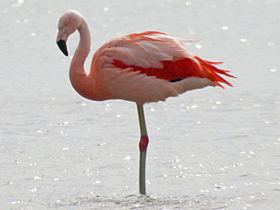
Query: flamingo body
[{"x": 148, "y": 67}]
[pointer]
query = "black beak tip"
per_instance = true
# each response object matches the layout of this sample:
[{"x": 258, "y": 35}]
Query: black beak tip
[{"x": 62, "y": 46}]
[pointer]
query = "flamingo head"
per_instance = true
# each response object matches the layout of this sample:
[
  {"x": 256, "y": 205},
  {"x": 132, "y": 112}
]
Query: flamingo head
[{"x": 68, "y": 23}]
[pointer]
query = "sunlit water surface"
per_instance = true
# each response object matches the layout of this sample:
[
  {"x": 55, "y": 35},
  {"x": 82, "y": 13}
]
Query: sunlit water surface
[{"x": 209, "y": 149}]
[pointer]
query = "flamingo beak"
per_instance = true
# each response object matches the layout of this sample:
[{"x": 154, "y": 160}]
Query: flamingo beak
[{"x": 62, "y": 46}]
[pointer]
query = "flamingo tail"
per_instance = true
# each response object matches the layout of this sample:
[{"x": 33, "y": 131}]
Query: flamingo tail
[{"x": 213, "y": 73}]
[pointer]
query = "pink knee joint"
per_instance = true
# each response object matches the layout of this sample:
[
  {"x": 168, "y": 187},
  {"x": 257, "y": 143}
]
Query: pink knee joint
[{"x": 143, "y": 144}]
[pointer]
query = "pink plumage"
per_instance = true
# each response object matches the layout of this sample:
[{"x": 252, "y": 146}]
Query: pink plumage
[{"x": 151, "y": 66}]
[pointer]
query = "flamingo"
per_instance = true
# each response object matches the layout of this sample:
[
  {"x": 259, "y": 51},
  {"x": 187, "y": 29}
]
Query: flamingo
[{"x": 140, "y": 67}]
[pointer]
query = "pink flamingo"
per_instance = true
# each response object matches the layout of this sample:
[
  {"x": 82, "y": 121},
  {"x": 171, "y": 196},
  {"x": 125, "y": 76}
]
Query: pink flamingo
[{"x": 141, "y": 67}]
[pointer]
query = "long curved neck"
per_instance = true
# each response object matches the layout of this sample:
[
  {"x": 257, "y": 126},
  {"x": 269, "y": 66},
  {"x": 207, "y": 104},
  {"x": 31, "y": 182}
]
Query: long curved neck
[{"x": 80, "y": 80}]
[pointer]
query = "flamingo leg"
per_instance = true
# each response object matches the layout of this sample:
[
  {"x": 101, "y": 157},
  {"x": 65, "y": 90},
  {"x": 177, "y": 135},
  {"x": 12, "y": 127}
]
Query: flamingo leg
[{"x": 143, "y": 144}]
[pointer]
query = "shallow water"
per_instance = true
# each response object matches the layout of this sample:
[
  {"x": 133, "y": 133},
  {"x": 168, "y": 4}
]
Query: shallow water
[{"x": 209, "y": 149}]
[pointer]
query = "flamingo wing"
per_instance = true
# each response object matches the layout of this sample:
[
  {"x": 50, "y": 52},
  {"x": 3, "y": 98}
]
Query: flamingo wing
[
  {"x": 149, "y": 67},
  {"x": 156, "y": 54}
]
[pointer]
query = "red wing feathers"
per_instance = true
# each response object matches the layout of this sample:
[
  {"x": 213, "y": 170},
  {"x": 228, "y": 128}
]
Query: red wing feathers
[
  {"x": 156, "y": 54},
  {"x": 183, "y": 68}
]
